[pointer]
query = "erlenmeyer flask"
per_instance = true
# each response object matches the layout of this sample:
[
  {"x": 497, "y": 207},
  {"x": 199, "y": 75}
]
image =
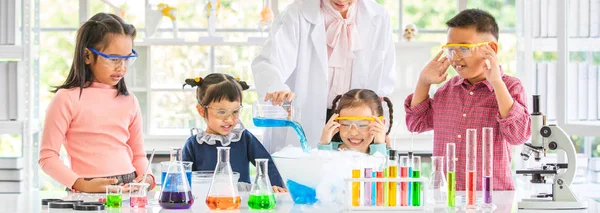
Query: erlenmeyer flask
[
  {"x": 437, "y": 183},
  {"x": 261, "y": 194},
  {"x": 223, "y": 193},
  {"x": 176, "y": 192}
]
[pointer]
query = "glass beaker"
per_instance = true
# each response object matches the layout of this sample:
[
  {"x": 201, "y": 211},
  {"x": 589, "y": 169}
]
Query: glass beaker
[
  {"x": 261, "y": 194},
  {"x": 223, "y": 193},
  {"x": 138, "y": 195},
  {"x": 187, "y": 166},
  {"x": 269, "y": 115},
  {"x": 114, "y": 196},
  {"x": 437, "y": 183},
  {"x": 176, "y": 192}
]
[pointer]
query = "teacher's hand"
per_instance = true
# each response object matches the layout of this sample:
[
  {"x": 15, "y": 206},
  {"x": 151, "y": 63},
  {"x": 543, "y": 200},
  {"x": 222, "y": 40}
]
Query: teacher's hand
[{"x": 277, "y": 98}]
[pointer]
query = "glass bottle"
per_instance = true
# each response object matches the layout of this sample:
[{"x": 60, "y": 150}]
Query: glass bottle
[
  {"x": 437, "y": 183},
  {"x": 261, "y": 195},
  {"x": 176, "y": 192},
  {"x": 223, "y": 193}
]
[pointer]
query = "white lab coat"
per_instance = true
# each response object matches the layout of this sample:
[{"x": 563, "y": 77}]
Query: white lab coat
[{"x": 295, "y": 58}]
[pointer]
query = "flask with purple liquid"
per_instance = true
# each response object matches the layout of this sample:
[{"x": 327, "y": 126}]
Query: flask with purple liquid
[{"x": 176, "y": 192}]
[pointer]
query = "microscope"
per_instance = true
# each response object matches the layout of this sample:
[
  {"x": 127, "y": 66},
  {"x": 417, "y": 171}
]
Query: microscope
[{"x": 550, "y": 137}]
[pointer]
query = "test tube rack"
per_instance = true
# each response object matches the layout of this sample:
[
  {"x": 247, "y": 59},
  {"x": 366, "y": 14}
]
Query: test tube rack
[{"x": 424, "y": 185}]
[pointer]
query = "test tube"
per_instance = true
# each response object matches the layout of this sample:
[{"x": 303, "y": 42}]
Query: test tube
[
  {"x": 488, "y": 164},
  {"x": 374, "y": 189},
  {"x": 410, "y": 173},
  {"x": 392, "y": 173},
  {"x": 471, "y": 167},
  {"x": 404, "y": 163},
  {"x": 380, "y": 188},
  {"x": 356, "y": 186},
  {"x": 368, "y": 188},
  {"x": 385, "y": 186},
  {"x": 451, "y": 174},
  {"x": 416, "y": 186}
]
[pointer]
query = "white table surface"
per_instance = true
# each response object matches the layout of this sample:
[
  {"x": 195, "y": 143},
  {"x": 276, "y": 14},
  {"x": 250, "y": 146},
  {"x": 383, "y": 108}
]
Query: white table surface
[{"x": 506, "y": 201}]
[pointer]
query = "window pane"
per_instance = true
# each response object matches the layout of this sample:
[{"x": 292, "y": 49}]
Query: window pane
[
  {"x": 235, "y": 61},
  {"x": 143, "y": 101},
  {"x": 596, "y": 147},
  {"x": 137, "y": 73},
  {"x": 171, "y": 65},
  {"x": 174, "y": 113},
  {"x": 56, "y": 56},
  {"x": 59, "y": 13},
  {"x": 503, "y": 10},
  {"x": 133, "y": 11},
  {"x": 583, "y": 87},
  {"x": 428, "y": 14},
  {"x": 11, "y": 145}
]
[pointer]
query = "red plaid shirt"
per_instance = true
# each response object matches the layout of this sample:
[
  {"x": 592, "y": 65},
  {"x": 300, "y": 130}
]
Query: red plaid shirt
[{"x": 458, "y": 106}]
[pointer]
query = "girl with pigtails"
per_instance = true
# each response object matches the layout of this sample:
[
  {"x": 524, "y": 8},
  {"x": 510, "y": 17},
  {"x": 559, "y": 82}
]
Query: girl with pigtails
[{"x": 358, "y": 118}]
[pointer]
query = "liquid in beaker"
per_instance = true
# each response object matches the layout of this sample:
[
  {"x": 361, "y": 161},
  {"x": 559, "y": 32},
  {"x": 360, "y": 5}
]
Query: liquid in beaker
[
  {"x": 176, "y": 192},
  {"x": 223, "y": 193},
  {"x": 261, "y": 195}
]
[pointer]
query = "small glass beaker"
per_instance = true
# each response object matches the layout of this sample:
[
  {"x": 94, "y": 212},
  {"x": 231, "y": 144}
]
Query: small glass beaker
[
  {"x": 176, "y": 192},
  {"x": 187, "y": 166},
  {"x": 437, "y": 183},
  {"x": 261, "y": 194},
  {"x": 223, "y": 193},
  {"x": 138, "y": 195},
  {"x": 114, "y": 196}
]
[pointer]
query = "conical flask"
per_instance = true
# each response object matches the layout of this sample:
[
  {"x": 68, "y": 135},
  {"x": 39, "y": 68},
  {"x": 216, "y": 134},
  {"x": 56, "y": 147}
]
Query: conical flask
[
  {"x": 261, "y": 194},
  {"x": 223, "y": 193},
  {"x": 176, "y": 192},
  {"x": 437, "y": 183}
]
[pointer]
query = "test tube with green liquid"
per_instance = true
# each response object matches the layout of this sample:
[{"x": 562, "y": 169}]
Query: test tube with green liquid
[
  {"x": 451, "y": 173},
  {"x": 416, "y": 186}
]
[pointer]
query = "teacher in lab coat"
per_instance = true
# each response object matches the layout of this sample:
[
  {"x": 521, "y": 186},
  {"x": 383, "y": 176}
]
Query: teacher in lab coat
[{"x": 318, "y": 49}]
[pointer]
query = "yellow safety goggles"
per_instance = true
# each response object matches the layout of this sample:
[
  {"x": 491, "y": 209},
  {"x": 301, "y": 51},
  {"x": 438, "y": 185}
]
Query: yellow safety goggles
[
  {"x": 361, "y": 123},
  {"x": 458, "y": 51}
]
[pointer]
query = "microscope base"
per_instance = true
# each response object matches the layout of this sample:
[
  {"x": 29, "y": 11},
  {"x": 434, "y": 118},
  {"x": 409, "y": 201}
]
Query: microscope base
[{"x": 549, "y": 204}]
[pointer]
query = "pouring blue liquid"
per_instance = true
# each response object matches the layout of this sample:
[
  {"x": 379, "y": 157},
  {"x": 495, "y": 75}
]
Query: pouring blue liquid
[{"x": 269, "y": 122}]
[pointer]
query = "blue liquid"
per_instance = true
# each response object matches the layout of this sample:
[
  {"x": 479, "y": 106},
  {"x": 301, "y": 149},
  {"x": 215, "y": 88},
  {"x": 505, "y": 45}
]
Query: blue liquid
[
  {"x": 164, "y": 174},
  {"x": 374, "y": 192},
  {"x": 268, "y": 122},
  {"x": 409, "y": 186}
]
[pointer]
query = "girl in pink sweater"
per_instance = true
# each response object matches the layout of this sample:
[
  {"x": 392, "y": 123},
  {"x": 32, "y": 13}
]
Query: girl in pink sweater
[{"x": 93, "y": 114}]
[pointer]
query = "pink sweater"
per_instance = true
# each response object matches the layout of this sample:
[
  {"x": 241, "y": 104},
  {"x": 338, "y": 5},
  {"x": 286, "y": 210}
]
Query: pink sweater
[{"x": 101, "y": 132}]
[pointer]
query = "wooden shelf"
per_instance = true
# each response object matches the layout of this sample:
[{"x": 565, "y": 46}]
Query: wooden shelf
[{"x": 11, "y": 52}]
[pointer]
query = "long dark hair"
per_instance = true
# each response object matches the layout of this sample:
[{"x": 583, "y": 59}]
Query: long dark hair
[
  {"x": 95, "y": 33},
  {"x": 364, "y": 97},
  {"x": 216, "y": 87}
]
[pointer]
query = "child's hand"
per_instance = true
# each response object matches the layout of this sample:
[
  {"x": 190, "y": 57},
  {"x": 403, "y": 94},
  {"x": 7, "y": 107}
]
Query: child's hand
[
  {"x": 492, "y": 69},
  {"x": 278, "y": 189},
  {"x": 377, "y": 130},
  {"x": 435, "y": 71},
  {"x": 95, "y": 185},
  {"x": 330, "y": 129}
]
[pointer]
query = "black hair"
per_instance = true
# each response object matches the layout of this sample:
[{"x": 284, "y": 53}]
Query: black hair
[
  {"x": 95, "y": 33},
  {"x": 364, "y": 97},
  {"x": 483, "y": 21},
  {"x": 216, "y": 87}
]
